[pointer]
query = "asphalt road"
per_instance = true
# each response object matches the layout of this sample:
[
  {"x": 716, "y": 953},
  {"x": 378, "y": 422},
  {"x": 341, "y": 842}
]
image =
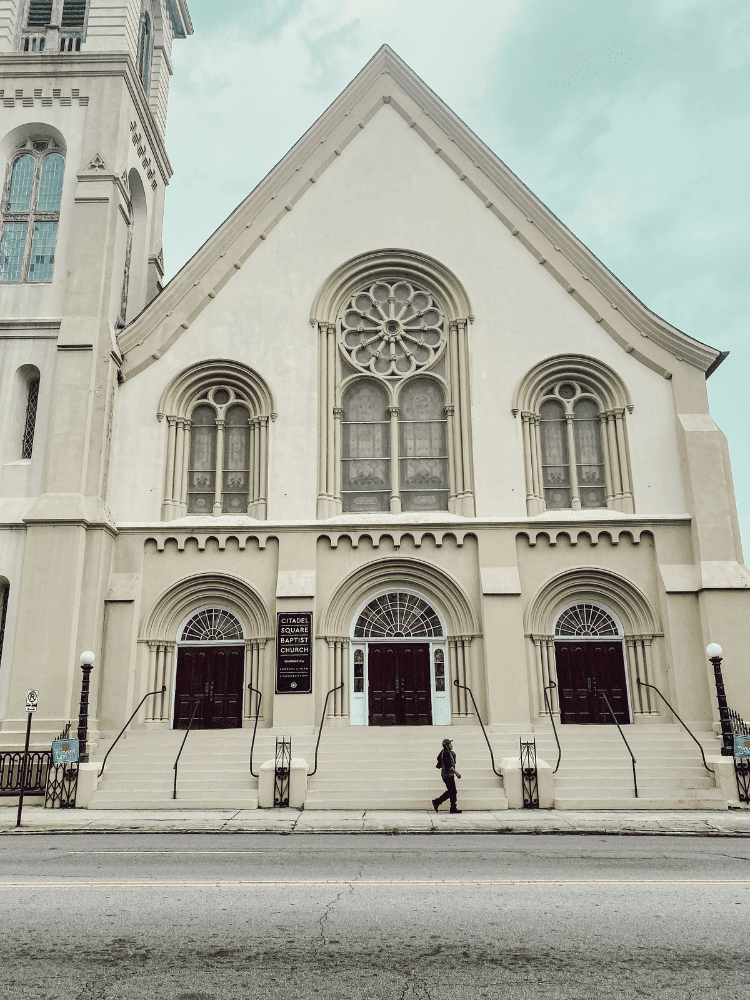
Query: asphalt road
[{"x": 154, "y": 916}]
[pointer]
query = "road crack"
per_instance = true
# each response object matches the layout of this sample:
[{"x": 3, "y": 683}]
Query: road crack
[{"x": 347, "y": 889}]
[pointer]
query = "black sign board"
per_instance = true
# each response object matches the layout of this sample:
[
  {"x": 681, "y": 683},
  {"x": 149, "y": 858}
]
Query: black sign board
[{"x": 294, "y": 652}]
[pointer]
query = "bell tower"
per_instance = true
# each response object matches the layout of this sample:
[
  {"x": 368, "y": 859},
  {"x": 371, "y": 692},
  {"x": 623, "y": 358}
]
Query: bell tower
[{"x": 85, "y": 86}]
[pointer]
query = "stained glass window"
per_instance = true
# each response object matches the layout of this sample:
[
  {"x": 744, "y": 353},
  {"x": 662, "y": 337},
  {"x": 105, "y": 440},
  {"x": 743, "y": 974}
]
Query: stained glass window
[
  {"x": 202, "y": 468},
  {"x": 359, "y": 671},
  {"x": 589, "y": 459},
  {"x": 236, "y": 457},
  {"x": 366, "y": 449},
  {"x": 212, "y": 624},
  {"x": 562, "y": 404},
  {"x": 555, "y": 465},
  {"x": 439, "y": 671},
  {"x": 586, "y": 620},
  {"x": 423, "y": 452},
  {"x": 31, "y": 214},
  {"x": 398, "y": 614}
]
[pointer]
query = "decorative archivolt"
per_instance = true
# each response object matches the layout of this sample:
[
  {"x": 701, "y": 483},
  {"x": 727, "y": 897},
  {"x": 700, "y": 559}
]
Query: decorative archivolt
[
  {"x": 603, "y": 381},
  {"x": 389, "y": 264},
  {"x": 191, "y": 384},
  {"x": 394, "y": 315},
  {"x": 199, "y": 590},
  {"x": 218, "y": 413},
  {"x": 592, "y": 584},
  {"x": 434, "y": 584}
]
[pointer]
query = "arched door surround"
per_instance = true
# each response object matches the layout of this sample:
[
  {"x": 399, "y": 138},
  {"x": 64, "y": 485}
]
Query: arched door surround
[
  {"x": 210, "y": 672},
  {"x": 205, "y": 611},
  {"x": 397, "y": 677},
  {"x": 386, "y": 319},
  {"x": 590, "y": 665},
  {"x": 435, "y": 586},
  {"x": 600, "y": 598}
]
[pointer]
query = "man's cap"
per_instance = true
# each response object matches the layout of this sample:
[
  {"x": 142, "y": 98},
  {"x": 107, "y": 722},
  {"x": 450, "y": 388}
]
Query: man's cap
[{"x": 446, "y": 741}]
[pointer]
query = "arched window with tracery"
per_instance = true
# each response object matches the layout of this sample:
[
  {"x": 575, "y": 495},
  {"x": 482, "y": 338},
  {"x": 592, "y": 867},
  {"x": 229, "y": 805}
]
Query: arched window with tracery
[
  {"x": 574, "y": 436},
  {"x": 394, "y": 399},
  {"x": 145, "y": 49},
  {"x": 217, "y": 441},
  {"x": 31, "y": 212}
]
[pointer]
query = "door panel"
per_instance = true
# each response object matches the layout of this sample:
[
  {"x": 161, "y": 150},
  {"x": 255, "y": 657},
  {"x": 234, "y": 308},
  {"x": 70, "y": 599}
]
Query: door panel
[
  {"x": 585, "y": 671},
  {"x": 213, "y": 676},
  {"x": 399, "y": 684}
]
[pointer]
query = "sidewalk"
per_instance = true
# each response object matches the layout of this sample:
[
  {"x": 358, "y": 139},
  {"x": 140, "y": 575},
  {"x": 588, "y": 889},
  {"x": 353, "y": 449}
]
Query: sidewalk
[{"x": 36, "y": 820}]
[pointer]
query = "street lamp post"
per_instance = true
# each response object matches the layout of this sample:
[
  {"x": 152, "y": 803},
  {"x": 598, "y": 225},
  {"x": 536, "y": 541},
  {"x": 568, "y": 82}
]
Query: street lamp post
[
  {"x": 727, "y": 738},
  {"x": 87, "y": 663}
]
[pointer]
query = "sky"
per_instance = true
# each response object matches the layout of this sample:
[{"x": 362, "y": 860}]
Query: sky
[{"x": 629, "y": 119}]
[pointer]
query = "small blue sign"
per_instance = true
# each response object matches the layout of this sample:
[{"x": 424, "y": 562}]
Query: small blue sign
[
  {"x": 65, "y": 750},
  {"x": 742, "y": 746}
]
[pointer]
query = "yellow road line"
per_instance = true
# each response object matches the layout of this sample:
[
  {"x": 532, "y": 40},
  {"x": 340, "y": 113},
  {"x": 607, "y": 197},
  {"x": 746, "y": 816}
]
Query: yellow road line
[{"x": 12, "y": 884}]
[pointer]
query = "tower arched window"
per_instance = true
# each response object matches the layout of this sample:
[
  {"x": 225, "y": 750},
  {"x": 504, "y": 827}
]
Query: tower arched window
[
  {"x": 394, "y": 392},
  {"x": 31, "y": 212},
  {"x": 574, "y": 436},
  {"x": 32, "y": 400},
  {"x": 217, "y": 441},
  {"x": 145, "y": 49}
]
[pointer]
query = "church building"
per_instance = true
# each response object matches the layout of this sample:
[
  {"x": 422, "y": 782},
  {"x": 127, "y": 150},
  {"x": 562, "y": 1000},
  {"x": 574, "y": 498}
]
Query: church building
[{"x": 393, "y": 451}]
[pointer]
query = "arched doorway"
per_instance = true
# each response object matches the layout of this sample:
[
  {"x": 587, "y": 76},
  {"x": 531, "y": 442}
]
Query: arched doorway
[
  {"x": 210, "y": 670},
  {"x": 399, "y": 663},
  {"x": 590, "y": 665}
]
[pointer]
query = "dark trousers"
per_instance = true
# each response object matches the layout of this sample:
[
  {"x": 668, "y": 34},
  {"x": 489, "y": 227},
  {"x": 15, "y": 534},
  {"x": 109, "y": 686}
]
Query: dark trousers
[{"x": 450, "y": 792}]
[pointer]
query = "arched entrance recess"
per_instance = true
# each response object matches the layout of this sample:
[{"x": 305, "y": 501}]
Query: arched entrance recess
[
  {"x": 205, "y": 613},
  {"x": 593, "y": 630},
  {"x": 590, "y": 665},
  {"x": 210, "y": 670},
  {"x": 398, "y": 662},
  {"x": 360, "y": 614}
]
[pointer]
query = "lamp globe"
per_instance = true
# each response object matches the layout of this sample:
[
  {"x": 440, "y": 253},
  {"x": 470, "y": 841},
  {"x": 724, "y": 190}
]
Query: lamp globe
[
  {"x": 714, "y": 651},
  {"x": 88, "y": 658}
]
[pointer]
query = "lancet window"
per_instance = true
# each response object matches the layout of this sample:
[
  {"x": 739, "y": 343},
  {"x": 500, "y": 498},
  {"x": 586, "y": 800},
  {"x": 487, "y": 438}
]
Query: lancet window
[
  {"x": 575, "y": 439},
  {"x": 217, "y": 442},
  {"x": 31, "y": 212},
  {"x": 394, "y": 418}
]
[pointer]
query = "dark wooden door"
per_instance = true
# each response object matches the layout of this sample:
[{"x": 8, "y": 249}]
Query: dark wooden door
[
  {"x": 212, "y": 677},
  {"x": 399, "y": 684},
  {"x": 587, "y": 671}
]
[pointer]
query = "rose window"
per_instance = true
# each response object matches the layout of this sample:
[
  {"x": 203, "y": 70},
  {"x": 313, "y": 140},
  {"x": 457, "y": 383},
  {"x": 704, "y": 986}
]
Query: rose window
[{"x": 392, "y": 329}]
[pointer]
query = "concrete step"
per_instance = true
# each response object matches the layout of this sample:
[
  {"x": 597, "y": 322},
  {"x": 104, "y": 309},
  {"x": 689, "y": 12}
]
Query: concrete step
[
  {"x": 145, "y": 801},
  {"x": 406, "y": 803},
  {"x": 621, "y": 803}
]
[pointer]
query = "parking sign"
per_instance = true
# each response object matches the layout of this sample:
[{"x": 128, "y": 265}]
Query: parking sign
[{"x": 32, "y": 700}]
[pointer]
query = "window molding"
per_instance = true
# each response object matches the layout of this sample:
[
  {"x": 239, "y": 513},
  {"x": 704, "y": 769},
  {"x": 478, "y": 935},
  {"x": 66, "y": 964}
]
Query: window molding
[
  {"x": 589, "y": 380},
  {"x": 197, "y": 387},
  {"x": 54, "y": 25},
  {"x": 31, "y": 203},
  {"x": 447, "y": 364}
]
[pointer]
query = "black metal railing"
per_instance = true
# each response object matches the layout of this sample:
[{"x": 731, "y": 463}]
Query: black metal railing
[
  {"x": 320, "y": 729},
  {"x": 529, "y": 774},
  {"x": 647, "y": 685},
  {"x": 255, "y": 726},
  {"x": 177, "y": 760},
  {"x": 738, "y": 725},
  {"x": 476, "y": 710},
  {"x": 553, "y": 685},
  {"x": 62, "y": 780},
  {"x": 156, "y": 692},
  {"x": 630, "y": 751},
  {"x": 37, "y": 770},
  {"x": 282, "y": 772}
]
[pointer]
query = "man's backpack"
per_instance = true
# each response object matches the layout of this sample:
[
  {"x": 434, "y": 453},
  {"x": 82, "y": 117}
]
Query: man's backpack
[{"x": 440, "y": 760}]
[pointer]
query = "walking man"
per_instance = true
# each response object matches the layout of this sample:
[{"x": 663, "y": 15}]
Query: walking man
[{"x": 447, "y": 763}]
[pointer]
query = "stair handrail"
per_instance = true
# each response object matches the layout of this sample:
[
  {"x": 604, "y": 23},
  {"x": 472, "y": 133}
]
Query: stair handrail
[
  {"x": 632, "y": 756},
  {"x": 255, "y": 726},
  {"x": 647, "y": 685},
  {"x": 320, "y": 729},
  {"x": 156, "y": 692},
  {"x": 190, "y": 724},
  {"x": 476, "y": 710},
  {"x": 553, "y": 685}
]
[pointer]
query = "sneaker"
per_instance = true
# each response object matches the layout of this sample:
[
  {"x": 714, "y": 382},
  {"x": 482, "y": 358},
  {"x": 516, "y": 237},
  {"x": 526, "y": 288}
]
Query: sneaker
[
  {"x": 454, "y": 810},
  {"x": 435, "y": 804}
]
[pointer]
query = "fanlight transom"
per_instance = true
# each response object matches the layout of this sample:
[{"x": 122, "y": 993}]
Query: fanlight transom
[
  {"x": 398, "y": 614},
  {"x": 586, "y": 620},
  {"x": 212, "y": 625},
  {"x": 392, "y": 329}
]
